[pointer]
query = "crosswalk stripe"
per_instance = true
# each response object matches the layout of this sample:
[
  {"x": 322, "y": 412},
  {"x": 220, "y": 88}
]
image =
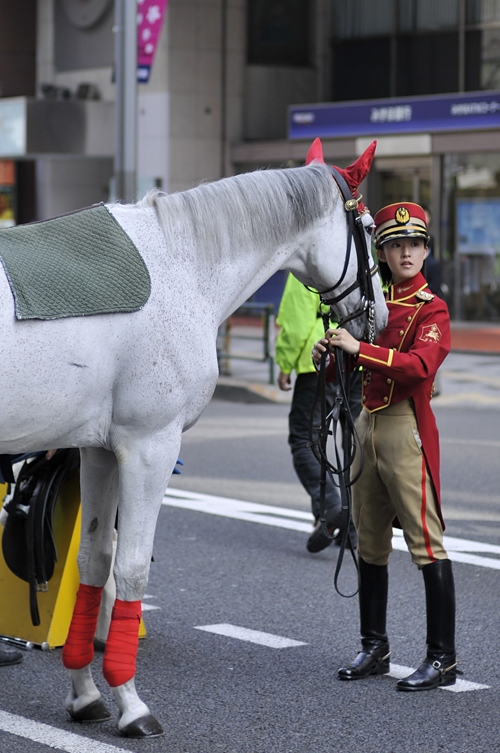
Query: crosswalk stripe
[
  {"x": 53, "y": 737},
  {"x": 251, "y": 636}
]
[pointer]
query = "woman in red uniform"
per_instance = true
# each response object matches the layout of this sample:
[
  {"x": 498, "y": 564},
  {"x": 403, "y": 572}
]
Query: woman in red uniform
[{"x": 400, "y": 478}]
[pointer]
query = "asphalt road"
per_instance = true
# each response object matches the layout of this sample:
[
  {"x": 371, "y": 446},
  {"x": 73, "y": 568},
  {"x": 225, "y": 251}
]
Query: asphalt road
[{"x": 218, "y": 693}]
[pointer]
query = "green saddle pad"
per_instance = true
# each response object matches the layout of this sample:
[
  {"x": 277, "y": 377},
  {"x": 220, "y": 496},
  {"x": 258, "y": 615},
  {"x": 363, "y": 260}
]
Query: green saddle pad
[{"x": 75, "y": 265}]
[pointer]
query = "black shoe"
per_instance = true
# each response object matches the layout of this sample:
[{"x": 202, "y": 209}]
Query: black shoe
[
  {"x": 369, "y": 661},
  {"x": 318, "y": 540},
  {"x": 9, "y": 656},
  {"x": 432, "y": 673}
]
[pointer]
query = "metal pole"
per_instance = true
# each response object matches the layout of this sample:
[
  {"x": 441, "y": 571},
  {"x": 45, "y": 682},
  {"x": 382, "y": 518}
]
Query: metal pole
[
  {"x": 126, "y": 99},
  {"x": 223, "y": 91},
  {"x": 461, "y": 45}
]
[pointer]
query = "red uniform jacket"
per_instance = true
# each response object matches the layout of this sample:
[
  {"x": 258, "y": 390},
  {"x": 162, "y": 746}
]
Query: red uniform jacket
[{"x": 404, "y": 360}]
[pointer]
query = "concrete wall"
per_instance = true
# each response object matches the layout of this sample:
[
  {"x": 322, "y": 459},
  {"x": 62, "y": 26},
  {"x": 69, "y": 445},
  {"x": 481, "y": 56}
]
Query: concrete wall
[
  {"x": 269, "y": 91},
  {"x": 195, "y": 87},
  {"x": 180, "y": 110},
  {"x": 63, "y": 185}
]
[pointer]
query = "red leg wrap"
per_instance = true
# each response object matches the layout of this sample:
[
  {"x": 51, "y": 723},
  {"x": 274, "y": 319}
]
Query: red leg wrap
[
  {"x": 123, "y": 639},
  {"x": 78, "y": 651}
]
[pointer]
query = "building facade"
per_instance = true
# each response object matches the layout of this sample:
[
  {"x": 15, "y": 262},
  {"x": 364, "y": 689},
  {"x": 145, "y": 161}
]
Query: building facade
[{"x": 228, "y": 79}]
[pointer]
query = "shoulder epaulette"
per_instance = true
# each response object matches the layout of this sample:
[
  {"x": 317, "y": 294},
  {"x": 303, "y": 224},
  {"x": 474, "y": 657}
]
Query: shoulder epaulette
[{"x": 424, "y": 295}]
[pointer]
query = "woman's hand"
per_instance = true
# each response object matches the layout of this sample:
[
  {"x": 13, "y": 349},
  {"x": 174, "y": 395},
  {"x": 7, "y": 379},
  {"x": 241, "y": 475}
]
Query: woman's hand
[
  {"x": 338, "y": 338},
  {"x": 318, "y": 349}
]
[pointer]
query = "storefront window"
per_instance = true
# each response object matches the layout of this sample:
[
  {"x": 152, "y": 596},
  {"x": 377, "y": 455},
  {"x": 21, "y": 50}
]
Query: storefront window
[
  {"x": 7, "y": 196},
  {"x": 470, "y": 240}
]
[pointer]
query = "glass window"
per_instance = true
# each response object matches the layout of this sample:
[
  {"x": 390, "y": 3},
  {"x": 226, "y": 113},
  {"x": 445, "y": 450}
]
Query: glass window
[
  {"x": 362, "y": 18},
  {"x": 471, "y": 235},
  {"x": 482, "y": 11},
  {"x": 427, "y": 15},
  {"x": 278, "y": 32}
]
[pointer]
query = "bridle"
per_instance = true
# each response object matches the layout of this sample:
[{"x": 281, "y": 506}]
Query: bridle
[
  {"x": 366, "y": 271},
  {"x": 341, "y": 413}
]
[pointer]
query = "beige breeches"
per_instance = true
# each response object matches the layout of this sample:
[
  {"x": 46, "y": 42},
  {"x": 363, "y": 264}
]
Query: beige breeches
[{"x": 395, "y": 482}]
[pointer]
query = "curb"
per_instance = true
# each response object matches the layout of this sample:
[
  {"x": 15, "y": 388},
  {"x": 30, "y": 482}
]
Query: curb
[{"x": 239, "y": 391}]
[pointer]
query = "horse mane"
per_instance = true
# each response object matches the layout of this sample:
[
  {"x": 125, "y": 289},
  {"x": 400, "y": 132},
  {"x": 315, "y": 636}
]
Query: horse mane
[{"x": 266, "y": 208}]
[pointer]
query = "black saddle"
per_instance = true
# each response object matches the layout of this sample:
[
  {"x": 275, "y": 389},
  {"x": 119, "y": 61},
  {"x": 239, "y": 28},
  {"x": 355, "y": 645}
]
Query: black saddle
[{"x": 28, "y": 542}]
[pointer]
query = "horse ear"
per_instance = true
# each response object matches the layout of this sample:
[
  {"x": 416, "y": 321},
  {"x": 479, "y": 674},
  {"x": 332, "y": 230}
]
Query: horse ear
[
  {"x": 357, "y": 172},
  {"x": 315, "y": 153}
]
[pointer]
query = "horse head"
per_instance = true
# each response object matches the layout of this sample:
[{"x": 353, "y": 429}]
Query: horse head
[{"x": 347, "y": 294}]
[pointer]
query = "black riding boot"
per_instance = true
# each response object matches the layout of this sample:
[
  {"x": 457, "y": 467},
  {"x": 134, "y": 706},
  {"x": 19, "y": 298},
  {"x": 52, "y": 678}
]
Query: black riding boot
[
  {"x": 373, "y": 659},
  {"x": 439, "y": 667}
]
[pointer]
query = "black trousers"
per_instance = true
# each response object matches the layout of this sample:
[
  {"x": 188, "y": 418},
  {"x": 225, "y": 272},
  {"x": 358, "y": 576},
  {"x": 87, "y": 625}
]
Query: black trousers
[{"x": 306, "y": 466}]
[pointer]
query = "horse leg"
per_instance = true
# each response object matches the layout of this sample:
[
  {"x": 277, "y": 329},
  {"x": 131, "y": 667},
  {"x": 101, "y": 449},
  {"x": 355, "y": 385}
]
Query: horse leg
[
  {"x": 107, "y": 601},
  {"x": 144, "y": 477},
  {"x": 99, "y": 483}
]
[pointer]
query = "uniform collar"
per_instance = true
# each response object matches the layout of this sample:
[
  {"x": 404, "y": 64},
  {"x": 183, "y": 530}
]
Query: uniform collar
[{"x": 406, "y": 289}]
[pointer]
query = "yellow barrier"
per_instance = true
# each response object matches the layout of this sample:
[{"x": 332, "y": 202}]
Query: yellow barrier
[{"x": 55, "y": 605}]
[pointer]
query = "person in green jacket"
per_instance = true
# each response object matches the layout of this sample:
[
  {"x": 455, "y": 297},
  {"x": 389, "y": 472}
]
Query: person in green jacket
[{"x": 301, "y": 327}]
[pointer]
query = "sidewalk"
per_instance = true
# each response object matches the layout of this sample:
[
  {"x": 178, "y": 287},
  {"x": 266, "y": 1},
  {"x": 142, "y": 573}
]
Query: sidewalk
[{"x": 475, "y": 337}]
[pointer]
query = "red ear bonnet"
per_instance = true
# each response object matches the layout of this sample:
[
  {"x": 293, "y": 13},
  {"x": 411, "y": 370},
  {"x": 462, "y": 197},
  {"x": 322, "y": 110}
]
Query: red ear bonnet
[
  {"x": 355, "y": 173},
  {"x": 315, "y": 153}
]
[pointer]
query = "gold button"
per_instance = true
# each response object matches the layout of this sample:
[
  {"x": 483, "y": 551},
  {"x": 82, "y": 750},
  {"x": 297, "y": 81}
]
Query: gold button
[
  {"x": 364, "y": 398},
  {"x": 365, "y": 383},
  {"x": 389, "y": 381},
  {"x": 408, "y": 318},
  {"x": 401, "y": 332},
  {"x": 386, "y": 399}
]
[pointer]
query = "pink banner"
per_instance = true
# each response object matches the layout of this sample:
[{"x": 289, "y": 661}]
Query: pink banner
[{"x": 149, "y": 20}]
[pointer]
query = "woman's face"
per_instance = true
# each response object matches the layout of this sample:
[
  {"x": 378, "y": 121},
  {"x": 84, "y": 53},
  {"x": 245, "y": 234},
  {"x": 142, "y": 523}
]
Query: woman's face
[{"x": 404, "y": 256}]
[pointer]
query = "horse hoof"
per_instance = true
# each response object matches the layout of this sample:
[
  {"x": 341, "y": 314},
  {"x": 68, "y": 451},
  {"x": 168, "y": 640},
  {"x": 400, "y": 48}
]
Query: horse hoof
[
  {"x": 146, "y": 726},
  {"x": 94, "y": 712}
]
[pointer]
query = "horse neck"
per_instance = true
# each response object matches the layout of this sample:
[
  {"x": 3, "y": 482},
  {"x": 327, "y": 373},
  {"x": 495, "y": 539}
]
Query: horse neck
[
  {"x": 233, "y": 278},
  {"x": 233, "y": 235}
]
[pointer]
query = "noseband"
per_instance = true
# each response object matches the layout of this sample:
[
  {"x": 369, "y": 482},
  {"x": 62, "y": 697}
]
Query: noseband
[{"x": 366, "y": 271}]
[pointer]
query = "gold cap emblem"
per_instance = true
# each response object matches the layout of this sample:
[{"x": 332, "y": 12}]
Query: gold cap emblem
[{"x": 402, "y": 216}]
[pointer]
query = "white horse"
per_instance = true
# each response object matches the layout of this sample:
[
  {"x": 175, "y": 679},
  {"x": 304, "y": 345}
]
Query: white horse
[{"x": 124, "y": 387}]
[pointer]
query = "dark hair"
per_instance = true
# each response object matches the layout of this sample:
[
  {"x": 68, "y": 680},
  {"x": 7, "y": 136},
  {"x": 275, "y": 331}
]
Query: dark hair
[{"x": 385, "y": 272}]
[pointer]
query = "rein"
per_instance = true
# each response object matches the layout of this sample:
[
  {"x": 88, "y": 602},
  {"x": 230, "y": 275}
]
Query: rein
[{"x": 341, "y": 413}]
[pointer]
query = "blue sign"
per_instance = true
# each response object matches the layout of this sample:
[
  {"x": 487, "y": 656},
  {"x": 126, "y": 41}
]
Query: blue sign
[
  {"x": 448, "y": 112},
  {"x": 478, "y": 223}
]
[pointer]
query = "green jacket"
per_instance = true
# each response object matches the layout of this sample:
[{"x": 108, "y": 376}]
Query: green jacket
[{"x": 300, "y": 328}]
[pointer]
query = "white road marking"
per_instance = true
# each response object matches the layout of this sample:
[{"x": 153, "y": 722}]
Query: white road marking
[
  {"x": 460, "y": 376},
  {"x": 466, "y": 398},
  {"x": 470, "y": 442},
  {"x": 282, "y": 517},
  {"x": 399, "y": 671},
  {"x": 148, "y": 607},
  {"x": 251, "y": 636},
  {"x": 53, "y": 737},
  {"x": 254, "y": 512}
]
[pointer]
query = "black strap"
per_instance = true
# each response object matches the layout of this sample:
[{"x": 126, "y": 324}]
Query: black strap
[{"x": 340, "y": 415}]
